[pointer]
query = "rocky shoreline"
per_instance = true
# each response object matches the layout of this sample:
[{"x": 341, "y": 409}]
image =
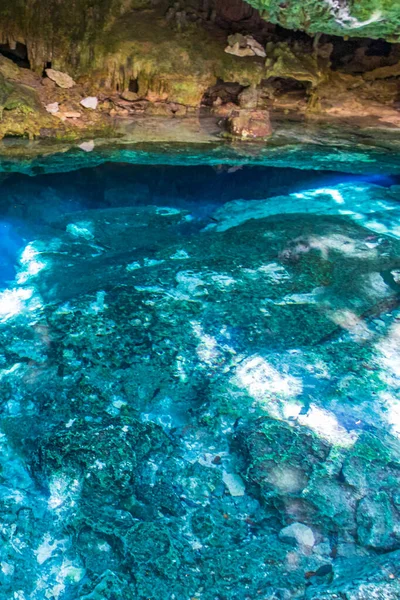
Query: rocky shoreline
[{"x": 177, "y": 61}]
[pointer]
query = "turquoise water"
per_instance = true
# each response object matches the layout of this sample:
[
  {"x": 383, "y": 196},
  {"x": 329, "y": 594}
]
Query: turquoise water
[{"x": 200, "y": 378}]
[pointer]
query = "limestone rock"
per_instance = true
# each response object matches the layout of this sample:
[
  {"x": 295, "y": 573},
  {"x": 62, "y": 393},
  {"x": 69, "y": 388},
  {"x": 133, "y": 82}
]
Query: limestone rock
[
  {"x": 53, "y": 108},
  {"x": 244, "y": 45},
  {"x": 298, "y": 533},
  {"x": 248, "y": 98},
  {"x": 87, "y": 146},
  {"x": 48, "y": 83},
  {"x": 72, "y": 114},
  {"x": 237, "y": 50},
  {"x": 129, "y": 96},
  {"x": 377, "y": 526},
  {"x": 63, "y": 80},
  {"x": 249, "y": 124},
  {"x": 293, "y": 63},
  {"x": 90, "y": 102},
  {"x": 257, "y": 48}
]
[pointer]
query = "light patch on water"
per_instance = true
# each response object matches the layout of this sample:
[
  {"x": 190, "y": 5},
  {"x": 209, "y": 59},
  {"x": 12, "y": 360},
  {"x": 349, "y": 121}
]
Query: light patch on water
[
  {"x": 311, "y": 298},
  {"x": 207, "y": 350},
  {"x": 99, "y": 304},
  {"x": 16, "y": 496},
  {"x": 374, "y": 286},
  {"x": 47, "y": 547},
  {"x": 273, "y": 271},
  {"x": 180, "y": 371},
  {"x": 32, "y": 269},
  {"x": 191, "y": 284},
  {"x": 234, "y": 483},
  {"x": 376, "y": 226},
  {"x": 31, "y": 266},
  {"x": 5, "y": 372},
  {"x": 391, "y": 411},
  {"x": 7, "y": 568},
  {"x": 319, "y": 369},
  {"x": 152, "y": 262},
  {"x": 166, "y": 211},
  {"x": 326, "y": 243},
  {"x": 325, "y": 425},
  {"x": 335, "y": 194},
  {"x": 83, "y": 230},
  {"x": 352, "y": 323},
  {"x": 180, "y": 255},
  {"x": 287, "y": 479},
  {"x": 67, "y": 573},
  {"x": 369, "y": 205},
  {"x": 291, "y": 410},
  {"x": 262, "y": 381},
  {"x": 64, "y": 492},
  {"x": 222, "y": 281},
  {"x": 104, "y": 547},
  {"x": 99, "y": 465},
  {"x": 388, "y": 355},
  {"x": 15, "y": 301},
  {"x": 115, "y": 407},
  {"x": 28, "y": 254},
  {"x": 133, "y": 266}
]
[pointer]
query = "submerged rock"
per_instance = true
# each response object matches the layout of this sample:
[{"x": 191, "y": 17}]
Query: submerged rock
[
  {"x": 298, "y": 533},
  {"x": 193, "y": 410}
]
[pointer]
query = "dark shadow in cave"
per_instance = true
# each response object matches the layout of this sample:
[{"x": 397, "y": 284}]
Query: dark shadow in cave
[{"x": 18, "y": 54}]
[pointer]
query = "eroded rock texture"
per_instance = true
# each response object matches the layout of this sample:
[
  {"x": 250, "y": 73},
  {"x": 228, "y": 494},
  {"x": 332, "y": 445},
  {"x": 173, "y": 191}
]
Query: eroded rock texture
[{"x": 173, "y": 59}]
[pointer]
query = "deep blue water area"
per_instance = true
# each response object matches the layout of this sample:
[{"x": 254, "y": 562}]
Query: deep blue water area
[
  {"x": 199, "y": 383},
  {"x": 26, "y": 202}
]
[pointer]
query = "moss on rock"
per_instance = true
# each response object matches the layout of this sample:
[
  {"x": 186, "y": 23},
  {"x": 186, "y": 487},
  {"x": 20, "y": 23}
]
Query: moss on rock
[{"x": 363, "y": 18}]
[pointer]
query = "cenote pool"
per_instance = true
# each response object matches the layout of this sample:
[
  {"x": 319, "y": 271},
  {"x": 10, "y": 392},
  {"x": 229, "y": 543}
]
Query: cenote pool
[{"x": 200, "y": 374}]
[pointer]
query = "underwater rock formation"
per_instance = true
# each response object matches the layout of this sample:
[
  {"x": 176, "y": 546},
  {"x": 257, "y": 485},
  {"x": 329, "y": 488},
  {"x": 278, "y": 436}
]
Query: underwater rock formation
[{"x": 197, "y": 405}]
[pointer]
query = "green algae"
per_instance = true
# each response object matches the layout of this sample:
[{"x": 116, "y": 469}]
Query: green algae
[{"x": 367, "y": 18}]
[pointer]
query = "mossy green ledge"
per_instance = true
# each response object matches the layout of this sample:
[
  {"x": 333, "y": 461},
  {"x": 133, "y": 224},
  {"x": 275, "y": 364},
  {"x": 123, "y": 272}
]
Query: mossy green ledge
[{"x": 353, "y": 18}]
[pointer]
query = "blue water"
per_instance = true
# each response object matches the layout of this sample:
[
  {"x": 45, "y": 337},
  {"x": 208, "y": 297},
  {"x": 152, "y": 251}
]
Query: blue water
[
  {"x": 200, "y": 384},
  {"x": 27, "y": 202}
]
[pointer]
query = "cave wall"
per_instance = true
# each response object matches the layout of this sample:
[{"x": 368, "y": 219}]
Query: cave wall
[
  {"x": 170, "y": 57},
  {"x": 60, "y": 32},
  {"x": 66, "y": 33}
]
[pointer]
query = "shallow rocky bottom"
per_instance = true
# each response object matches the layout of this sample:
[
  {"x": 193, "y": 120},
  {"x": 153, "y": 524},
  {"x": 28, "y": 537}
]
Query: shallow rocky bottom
[{"x": 199, "y": 385}]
